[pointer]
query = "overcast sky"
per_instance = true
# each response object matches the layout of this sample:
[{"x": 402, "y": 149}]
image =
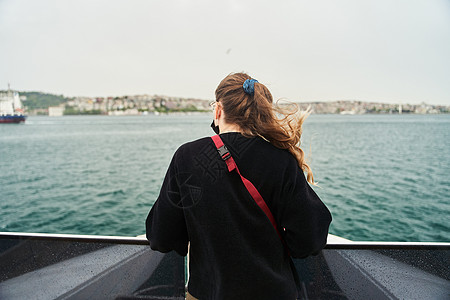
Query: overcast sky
[{"x": 383, "y": 50}]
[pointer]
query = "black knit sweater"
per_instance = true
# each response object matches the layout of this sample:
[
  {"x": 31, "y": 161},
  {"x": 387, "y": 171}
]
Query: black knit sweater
[{"x": 235, "y": 253}]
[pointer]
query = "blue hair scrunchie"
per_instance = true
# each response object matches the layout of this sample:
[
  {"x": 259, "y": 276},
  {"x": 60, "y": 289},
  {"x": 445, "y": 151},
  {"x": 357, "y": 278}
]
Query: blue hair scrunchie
[{"x": 249, "y": 86}]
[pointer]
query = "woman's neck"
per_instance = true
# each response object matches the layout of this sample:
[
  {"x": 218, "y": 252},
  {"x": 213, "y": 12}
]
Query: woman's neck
[{"x": 229, "y": 128}]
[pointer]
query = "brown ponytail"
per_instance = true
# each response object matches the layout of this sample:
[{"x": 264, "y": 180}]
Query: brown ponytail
[{"x": 257, "y": 116}]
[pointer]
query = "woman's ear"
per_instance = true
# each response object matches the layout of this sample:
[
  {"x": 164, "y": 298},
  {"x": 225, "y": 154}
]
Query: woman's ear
[{"x": 218, "y": 112}]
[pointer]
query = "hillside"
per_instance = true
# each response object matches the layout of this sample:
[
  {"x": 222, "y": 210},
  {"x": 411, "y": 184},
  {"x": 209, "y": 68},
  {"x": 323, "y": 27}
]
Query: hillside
[{"x": 38, "y": 100}]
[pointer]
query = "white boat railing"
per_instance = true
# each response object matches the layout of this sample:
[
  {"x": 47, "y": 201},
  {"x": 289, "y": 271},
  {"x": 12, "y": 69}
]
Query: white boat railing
[{"x": 63, "y": 266}]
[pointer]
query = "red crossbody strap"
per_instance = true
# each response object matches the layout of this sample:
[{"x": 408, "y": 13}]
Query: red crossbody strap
[{"x": 231, "y": 164}]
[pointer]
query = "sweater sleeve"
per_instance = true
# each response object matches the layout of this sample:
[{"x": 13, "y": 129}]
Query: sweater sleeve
[
  {"x": 165, "y": 225},
  {"x": 305, "y": 218}
]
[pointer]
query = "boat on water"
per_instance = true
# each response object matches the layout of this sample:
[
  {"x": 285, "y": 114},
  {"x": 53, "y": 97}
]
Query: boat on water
[
  {"x": 11, "y": 108},
  {"x": 56, "y": 266}
]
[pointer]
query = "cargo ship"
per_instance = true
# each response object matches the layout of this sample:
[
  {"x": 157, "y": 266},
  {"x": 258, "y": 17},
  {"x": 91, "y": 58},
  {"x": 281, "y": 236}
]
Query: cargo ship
[{"x": 11, "y": 109}]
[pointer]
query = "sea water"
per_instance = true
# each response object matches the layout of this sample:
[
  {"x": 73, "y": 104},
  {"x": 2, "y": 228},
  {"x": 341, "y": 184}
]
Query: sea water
[{"x": 384, "y": 177}]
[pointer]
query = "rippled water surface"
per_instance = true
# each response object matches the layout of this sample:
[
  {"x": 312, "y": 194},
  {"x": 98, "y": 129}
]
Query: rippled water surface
[{"x": 384, "y": 177}]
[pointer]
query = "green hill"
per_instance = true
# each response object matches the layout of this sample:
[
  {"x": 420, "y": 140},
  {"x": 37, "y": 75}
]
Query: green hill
[{"x": 37, "y": 100}]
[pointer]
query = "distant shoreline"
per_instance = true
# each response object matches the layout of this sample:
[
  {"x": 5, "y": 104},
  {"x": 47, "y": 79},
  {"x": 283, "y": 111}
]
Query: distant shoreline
[
  {"x": 210, "y": 114},
  {"x": 37, "y": 103}
]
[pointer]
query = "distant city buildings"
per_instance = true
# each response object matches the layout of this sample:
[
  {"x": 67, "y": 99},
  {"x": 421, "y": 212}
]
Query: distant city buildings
[
  {"x": 360, "y": 107},
  {"x": 135, "y": 105},
  {"x": 156, "y": 104}
]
